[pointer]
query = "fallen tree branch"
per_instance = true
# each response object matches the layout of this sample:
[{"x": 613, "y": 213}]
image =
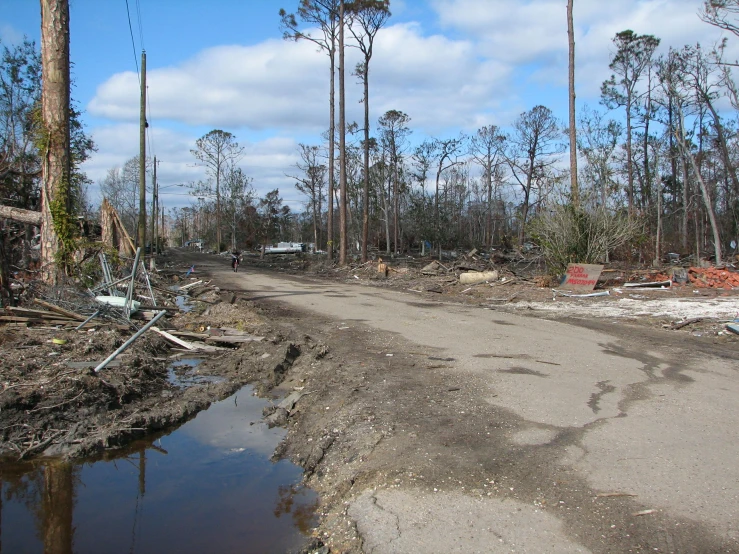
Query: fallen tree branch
[{"x": 20, "y": 215}]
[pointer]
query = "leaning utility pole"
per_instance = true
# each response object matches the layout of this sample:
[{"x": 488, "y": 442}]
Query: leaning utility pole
[
  {"x": 56, "y": 229},
  {"x": 141, "y": 234}
]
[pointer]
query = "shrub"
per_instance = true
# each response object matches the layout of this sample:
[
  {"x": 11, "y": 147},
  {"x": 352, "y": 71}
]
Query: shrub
[{"x": 568, "y": 234}]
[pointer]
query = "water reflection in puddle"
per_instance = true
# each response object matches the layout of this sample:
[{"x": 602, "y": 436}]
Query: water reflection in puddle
[
  {"x": 183, "y": 303},
  {"x": 209, "y": 486}
]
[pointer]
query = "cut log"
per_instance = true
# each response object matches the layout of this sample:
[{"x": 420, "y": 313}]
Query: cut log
[{"x": 478, "y": 277}]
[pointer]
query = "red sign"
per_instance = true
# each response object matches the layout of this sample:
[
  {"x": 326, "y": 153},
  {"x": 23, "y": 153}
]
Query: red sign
[{"x": 581, "y": 277}]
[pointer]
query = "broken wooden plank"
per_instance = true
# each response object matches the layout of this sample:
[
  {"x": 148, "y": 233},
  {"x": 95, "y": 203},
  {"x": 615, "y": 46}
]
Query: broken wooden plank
[
  {"x": 172, "y": 338},
  {"x": 57, "y": 309},
  {"x": 686, "y": 322},
  {"x": 185, "y": 287},
  {"x": 34, "y": 313},
  {"x": 649, "y": 285},
  {"x": 22, "y": 319}
]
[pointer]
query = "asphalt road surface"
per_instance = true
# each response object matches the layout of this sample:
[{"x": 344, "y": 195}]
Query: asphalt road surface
[{"x": 649, "y": 426}]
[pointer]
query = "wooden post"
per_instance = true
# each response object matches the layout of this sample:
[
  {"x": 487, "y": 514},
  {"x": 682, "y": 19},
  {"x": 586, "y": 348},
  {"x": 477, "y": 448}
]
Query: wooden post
[{"x": 141, "y": 234}]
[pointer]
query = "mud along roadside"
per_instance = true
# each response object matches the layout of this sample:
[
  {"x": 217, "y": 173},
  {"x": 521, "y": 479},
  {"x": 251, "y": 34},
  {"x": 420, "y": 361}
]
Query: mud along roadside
[{"x": 52, "y": 403}]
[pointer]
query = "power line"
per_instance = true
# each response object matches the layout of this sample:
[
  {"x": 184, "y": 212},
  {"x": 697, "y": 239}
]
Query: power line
[
  {"x": 133, "y": 42},
  {"x": 141, "y": 27}
]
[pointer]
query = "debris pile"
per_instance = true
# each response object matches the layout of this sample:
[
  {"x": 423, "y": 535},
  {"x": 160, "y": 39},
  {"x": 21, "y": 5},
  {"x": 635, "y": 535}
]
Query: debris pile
[
  {"x": 91, "y": 369},
  {"x": 713, "y": 277}
]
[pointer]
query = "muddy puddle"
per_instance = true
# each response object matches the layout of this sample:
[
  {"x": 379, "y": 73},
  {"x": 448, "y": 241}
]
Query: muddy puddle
[
  {"x": 208, "y": 486},
  {"x": 184, "y": 373}
]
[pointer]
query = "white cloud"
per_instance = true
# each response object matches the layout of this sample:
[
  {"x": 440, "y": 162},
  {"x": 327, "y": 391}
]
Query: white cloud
[
  {"x": 266, "y": 161},
  {"x": 272, "y": 84},
  {"x": 532, "y": 34},
  {"x": 439, "y": 82}
]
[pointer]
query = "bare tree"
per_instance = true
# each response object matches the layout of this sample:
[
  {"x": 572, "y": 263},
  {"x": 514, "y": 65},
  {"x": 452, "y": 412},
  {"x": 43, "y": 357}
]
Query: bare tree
[
  {"x": 446, "y": 154},
  {"x": 324, "y": 14},
  {"x": 486, "y": 148},
  {"x": 633, "y": 56},
  {"x": 217, "y": 150},
  {"x": 719, "y": 13},
  {"x": 311, "y": 183},
  {"x": 367, "y": 18},
  {"x": 121, "y": 187},
  {"x": 598, "y": 140},
  {"x": 393, "y": 136},
  {"x": 533, "y": 149}
]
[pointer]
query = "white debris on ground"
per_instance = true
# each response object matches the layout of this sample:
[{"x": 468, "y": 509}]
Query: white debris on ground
[{"x": 673, "y": 308}]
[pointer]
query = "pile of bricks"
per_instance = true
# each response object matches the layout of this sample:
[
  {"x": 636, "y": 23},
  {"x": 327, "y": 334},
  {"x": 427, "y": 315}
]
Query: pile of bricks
[{"x": 714, "y": 278}]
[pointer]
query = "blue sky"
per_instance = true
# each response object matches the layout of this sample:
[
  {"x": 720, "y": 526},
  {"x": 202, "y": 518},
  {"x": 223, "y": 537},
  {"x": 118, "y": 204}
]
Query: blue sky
[{"x": 451, "y": 65}]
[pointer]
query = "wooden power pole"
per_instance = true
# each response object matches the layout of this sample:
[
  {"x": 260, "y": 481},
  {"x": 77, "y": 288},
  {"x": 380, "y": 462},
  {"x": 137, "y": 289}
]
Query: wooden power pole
[
  {"x": 141, "y": 234},
  {"x": 154, "y": 212}
]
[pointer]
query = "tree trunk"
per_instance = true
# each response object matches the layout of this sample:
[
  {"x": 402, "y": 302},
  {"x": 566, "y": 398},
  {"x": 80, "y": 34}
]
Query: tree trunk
[
  {"x": 218, "y": 208},
  {"x": 658, "y": 240},
  {"x": 629, "y": 157},
  {"x": 55, "y": 163},
  {"x": 6, "y": 293},
  {"x": 685, "y": 202},
  {"x": 720, "y": 135},
  {"x": 704, "y": 193},
  {"x": 574, "y": 190},
  {"x": 395, "y": 196},
  {"x": 646, "y": 198},
  {"x": 331, "y": 159},
  {"x": 365, "y": 207},
  {"x": 342, "y": 142}
]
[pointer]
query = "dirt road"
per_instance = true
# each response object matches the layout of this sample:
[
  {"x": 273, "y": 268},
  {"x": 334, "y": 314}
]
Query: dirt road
[{"x": 447, "y": 428}]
